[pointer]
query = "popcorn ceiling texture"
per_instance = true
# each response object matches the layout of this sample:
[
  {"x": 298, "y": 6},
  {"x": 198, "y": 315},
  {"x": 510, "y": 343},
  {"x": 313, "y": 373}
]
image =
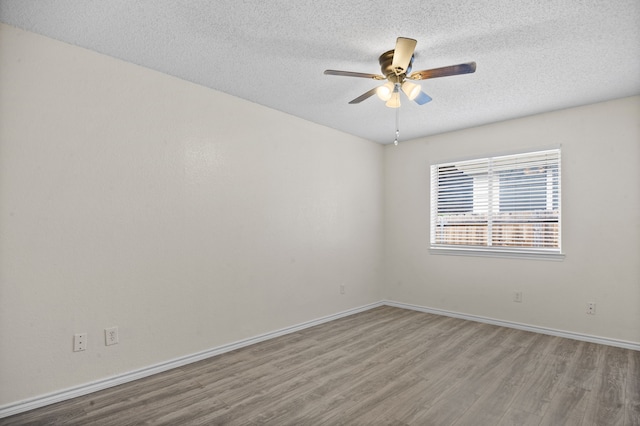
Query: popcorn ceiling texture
[{"x": 533, "y": 56}]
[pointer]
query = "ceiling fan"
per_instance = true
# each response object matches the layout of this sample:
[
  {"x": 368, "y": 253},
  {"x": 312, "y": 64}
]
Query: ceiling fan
[{"x": 396, "y": 69}]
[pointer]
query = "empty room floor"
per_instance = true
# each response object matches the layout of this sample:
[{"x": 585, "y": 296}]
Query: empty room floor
[{"x": 384, "y": 366}]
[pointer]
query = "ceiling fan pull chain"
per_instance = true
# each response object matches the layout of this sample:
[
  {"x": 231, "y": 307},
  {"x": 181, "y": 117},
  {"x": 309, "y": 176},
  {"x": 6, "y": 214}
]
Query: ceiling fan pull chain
[{"x": 395, "y": 142}]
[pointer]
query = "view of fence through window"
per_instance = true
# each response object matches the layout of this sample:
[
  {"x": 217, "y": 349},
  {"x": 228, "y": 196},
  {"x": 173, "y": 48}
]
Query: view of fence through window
[{"x": 506, "y": 202}]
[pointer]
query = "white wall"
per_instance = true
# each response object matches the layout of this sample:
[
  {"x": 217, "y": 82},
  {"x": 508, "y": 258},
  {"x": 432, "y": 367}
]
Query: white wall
[
  {"x": 186, "y": 217},
  {"x": 600, "y": 228}
]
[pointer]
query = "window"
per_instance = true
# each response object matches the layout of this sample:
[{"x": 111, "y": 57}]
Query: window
[{"x": 507, "y": 205}]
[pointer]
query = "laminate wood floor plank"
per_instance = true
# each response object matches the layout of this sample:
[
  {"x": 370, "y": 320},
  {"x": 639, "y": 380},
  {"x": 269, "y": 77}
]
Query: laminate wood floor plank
[
  {"x": 440, "y": 355},
  {"x": 405, "y": 402},
  {"x": 569, "y": 403},
  {"x": 366, "y": 395},
  {"x": 607, "y": 400},
  {"x": 319, "y": 406},
  {"x": 384, "y": 366},
  {"x": 516, "y": 417},
  {"x": 497, "y": 397},
  {"x": 458, "y": 384},
  {"x": 581, "y": 372},
  {"x": 567, "y": 407},
  {"x": 535, "y": 395},
  {"x": 437, "y": 366},
  {"x": 632, "y": 403},
  {"x": 483, "y": 392},
  {"x": 250, "y": 409}
]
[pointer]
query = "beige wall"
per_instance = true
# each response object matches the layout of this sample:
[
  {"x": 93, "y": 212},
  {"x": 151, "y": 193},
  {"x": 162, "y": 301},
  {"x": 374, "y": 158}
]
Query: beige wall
[
  {"x": 600, "y": 214},
  {"x": 186, "y": 217}
]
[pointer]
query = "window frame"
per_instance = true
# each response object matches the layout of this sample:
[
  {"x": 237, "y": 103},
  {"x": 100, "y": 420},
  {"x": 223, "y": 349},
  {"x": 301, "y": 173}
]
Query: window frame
[{"x": 537, "y": 253}]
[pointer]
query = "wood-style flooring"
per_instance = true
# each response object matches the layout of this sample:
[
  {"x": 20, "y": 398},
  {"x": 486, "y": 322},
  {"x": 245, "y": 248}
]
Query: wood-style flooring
[{"x": 385, "y": 366}]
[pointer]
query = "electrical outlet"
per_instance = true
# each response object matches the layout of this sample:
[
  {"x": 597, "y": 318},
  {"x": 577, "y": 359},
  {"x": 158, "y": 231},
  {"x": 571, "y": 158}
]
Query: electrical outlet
[
  {"x": 591, "y": 308},
  {"x": 517, "y": 296},
  {"x": 342, "y": 288},
  {"x": 111, "y": 336},
  {"x": 80, "y": 342}
]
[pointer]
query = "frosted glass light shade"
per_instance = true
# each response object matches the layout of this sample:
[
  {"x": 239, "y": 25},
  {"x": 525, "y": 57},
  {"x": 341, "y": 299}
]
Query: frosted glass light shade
[
  {"x": 411, "y": 90},
  {"x": 384, "y": 92},
  {"x": 394, "y": 101}
]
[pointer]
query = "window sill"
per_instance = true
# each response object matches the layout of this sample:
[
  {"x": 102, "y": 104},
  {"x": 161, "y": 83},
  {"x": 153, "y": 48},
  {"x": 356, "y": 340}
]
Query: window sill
[{"x": 509, "y": 254}]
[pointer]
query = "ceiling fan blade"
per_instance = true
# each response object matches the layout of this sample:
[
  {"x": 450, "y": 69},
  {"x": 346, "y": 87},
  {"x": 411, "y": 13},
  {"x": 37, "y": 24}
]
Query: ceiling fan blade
[
  {"x": 354, "y": 74},
  {"x": 402, "y": 54},
  {"x": 422, "y": 98},
  {"x": 466, "y": 68},
  {"x": 364, "y": 96}
]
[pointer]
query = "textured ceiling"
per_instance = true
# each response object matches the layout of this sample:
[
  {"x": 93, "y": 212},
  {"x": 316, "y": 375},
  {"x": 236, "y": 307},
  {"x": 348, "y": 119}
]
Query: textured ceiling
[{"x": 532, "y": 56}]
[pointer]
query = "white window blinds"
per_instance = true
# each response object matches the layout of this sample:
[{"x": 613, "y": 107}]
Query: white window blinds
[{"x": 508, "y": 203}]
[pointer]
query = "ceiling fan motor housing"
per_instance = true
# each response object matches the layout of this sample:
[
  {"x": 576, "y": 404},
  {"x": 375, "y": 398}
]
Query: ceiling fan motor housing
[{"x": 386, "y": 61}]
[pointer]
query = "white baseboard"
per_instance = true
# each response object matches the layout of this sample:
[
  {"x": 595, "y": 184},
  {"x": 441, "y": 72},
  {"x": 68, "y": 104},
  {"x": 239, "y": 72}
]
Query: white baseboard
[
  {"x": 542, "y": 330},
  {"x": 52, "y": 398},
  {"x": 63, "y": 395}
]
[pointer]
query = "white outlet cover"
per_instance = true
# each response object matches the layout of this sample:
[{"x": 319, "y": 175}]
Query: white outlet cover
[
  {"x": 517, "y": 296},
  {"x": 111, "y": 336}
]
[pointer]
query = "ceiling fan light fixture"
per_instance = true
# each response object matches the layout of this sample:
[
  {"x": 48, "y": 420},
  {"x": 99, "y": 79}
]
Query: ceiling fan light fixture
[
  {"x": 411, "y": 90},
  {"x": 394, "y": 101},
  {"x": 385, "y": 91}
]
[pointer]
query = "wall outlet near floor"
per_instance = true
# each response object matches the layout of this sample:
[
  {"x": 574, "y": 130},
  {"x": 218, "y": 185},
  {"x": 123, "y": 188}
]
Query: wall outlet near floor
[
  {"x": 342, "y": 286},
  {"x": 111, "y": 336},
  {"x": 517, "y": 296},
  {"x": 80, "y": 342},
  {"x": 591, "y": 308}
]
